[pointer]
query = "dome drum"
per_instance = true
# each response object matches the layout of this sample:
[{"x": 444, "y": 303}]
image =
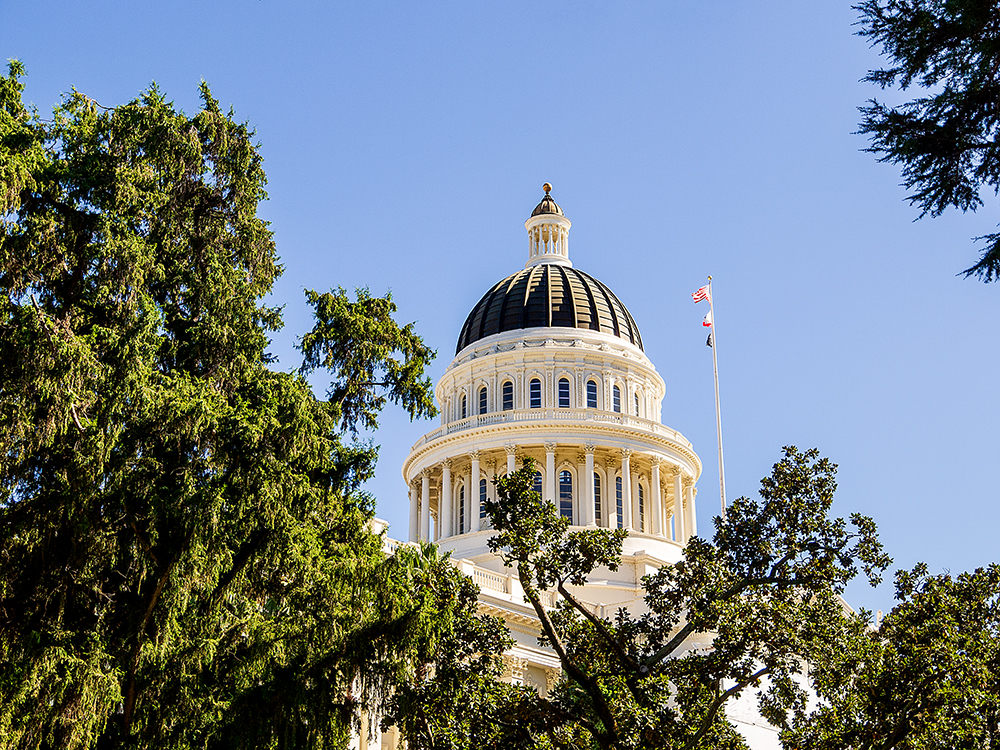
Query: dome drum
[{"x": 550, "y": 365}]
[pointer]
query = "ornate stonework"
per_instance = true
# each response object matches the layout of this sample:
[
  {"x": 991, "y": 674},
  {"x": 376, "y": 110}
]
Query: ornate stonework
[
  {"x": 514, "y": 667},
  {"x": 580, "y": 452}
]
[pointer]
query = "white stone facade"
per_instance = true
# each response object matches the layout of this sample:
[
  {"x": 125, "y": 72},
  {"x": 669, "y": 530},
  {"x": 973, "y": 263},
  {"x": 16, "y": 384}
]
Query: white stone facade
[{"x": 586, "y": 405}]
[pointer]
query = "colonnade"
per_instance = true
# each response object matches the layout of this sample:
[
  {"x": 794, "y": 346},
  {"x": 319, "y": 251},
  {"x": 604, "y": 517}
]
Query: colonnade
[
  {"x": 548, "y": 238},
  {"x": 666, "y": 489}
]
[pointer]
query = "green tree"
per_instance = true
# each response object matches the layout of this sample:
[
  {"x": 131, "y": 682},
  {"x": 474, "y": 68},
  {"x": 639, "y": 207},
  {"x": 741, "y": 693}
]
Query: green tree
[
  {"x": 928, "y": 677},
  {"x": 185, "y": 558},
  {"x": 945, "y": 140},
  {"x": 748, "y": 610}
]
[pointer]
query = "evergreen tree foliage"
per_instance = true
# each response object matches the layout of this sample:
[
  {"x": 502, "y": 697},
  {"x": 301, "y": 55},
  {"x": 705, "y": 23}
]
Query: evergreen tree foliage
[
  {"x": 945, "y": 140},
  {"x": 185, "y": 554}
]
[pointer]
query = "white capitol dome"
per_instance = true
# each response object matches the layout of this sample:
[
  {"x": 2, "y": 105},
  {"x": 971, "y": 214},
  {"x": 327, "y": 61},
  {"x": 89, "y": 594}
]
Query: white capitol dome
[{"x": 550, "y": 366}]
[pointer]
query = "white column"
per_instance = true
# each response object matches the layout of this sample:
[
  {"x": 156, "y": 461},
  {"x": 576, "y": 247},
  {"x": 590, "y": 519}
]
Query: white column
[
  {"x": 626, "y": 489},
  {"x": 511, "y": 458},
  {"x": 637, "y": 517},
  {"x": 691, "y": 521},
  {"x": 587, "y": 515},
  {"x": 444, "y": 512},
  {"x": 550, "y": 472},
  {"x": 425, "y": 505},
  {"x": 679, "y": 525},
  {"x": 656, "y": 501},
  {"x": 414, "y": 513},
  {"x": 608, "y": 491},
  {"x": 474, "y": 500}
]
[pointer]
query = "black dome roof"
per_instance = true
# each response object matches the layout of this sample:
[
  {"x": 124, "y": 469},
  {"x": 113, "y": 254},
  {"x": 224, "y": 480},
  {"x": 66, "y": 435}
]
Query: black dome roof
[{"x": 549, "y": 294}]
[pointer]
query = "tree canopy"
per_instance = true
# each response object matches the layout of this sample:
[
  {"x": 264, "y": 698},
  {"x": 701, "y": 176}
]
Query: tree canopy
[
  {"x": 945, "y": 140},
  {"x": 185, "y": 554},
  {"x": 754, "y": 611}
]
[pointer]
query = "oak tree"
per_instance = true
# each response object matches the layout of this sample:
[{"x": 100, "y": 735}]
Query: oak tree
[{"x": 748, "y": 610}]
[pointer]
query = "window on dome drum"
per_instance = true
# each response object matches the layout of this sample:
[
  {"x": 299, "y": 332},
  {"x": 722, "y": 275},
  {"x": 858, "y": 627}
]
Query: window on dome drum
[
  {"x": 482, "y": 400},
  {"x": 566, "y": 495},
  {"x": 591, "y": 394},
  {"x": 482, "y": 504},
  {"x": 462, "y": 410},
  {"x": 642, "y": 510},
  {"x": 616, "y": 398},
  {"x": 535, "y": 394},
  {"x": 508, "y": 396},
  {"x": 618, "y": 500},
  {"x": 537, "y": 485},
  {"x": 597, "y": 498},
  {"x": 461, "y": 509},
  {"x": 637, "y": 404},
  {"x": 563, "y": 393}
]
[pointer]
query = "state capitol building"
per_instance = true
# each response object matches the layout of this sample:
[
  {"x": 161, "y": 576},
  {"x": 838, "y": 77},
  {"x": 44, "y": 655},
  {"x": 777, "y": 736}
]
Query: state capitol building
[{"x": 550, "y": 365}]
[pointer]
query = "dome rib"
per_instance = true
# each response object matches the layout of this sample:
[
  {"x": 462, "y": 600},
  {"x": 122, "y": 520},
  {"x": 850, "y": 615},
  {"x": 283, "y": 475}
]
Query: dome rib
[{"x": 549, "y": 295}]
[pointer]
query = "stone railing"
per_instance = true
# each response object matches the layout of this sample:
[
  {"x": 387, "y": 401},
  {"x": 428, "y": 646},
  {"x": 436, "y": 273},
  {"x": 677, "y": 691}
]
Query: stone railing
[
  {"x": 516, "y": 416},
  {"x": 506, "y": 585}
]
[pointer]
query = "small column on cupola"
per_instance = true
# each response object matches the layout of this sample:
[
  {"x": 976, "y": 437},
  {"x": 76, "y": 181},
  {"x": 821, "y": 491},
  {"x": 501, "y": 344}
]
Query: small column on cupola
[{"x": 548, "y": 233}]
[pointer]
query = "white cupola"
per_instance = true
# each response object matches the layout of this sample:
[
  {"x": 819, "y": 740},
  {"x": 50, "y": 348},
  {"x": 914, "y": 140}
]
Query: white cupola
[{"x": 548, "y": 233}]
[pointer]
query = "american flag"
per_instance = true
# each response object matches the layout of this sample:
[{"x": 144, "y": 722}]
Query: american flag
[{"x": 701, "y": 294}]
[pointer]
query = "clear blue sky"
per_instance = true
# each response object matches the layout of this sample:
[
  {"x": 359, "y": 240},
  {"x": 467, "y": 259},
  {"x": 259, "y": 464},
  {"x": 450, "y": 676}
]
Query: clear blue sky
[{"x": 405, "y": 144}]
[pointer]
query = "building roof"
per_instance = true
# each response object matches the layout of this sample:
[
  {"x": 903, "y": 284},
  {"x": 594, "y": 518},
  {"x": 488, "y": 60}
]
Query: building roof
[
  {"x": 547, "y": 206},
  {"x": 549, "y": 295}
]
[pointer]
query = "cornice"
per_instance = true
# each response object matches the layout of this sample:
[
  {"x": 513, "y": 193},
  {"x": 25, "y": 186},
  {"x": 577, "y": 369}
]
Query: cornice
[
  {"x": 555, "y": 338},
  {"x": 539, "y": 432}
]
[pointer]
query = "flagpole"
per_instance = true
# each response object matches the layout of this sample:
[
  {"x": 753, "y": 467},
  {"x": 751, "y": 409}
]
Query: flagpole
[{"x": 718, "y": 410}]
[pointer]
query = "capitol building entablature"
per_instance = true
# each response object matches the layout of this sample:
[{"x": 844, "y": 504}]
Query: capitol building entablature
[{"x": 550, "y": 366}]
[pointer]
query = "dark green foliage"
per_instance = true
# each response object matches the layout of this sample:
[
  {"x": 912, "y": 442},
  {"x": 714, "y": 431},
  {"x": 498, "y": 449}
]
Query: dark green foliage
[
  {"x": 929, "y": 677},
  {"x": 455, "y": 697},
  {"x": 945, "y": 140},
  {"x": 185, "y": 558},
  {"x": 746, "y": 611},
  {"x": 364, "y": 350}
]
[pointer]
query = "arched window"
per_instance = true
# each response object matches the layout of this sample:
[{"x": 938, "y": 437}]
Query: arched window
[
  {"x": 482, "y": 503},
  {"x": 535, "y": 394},
  {"x": 566, "y": 495},
  {"x": 616, "y": 396},
  {"x": 462, "y": 411},
  {"x": 508, "y": 396},
  {"x": 482, "y": 400},
  {"x": 618, "y": 500},
  {"x": 461, "y": 509},
  {"x": 537, "y": 485},
  {"x": 597, "y": 498},
  {"x": 642, "y": 510},
  {"x": 591, "y": 394},
  {"x": 563, "y": 393},
  {"x": 637, "y": 404}
]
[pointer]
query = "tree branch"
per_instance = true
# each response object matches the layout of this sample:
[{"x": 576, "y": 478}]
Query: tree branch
[
  {"x": 607, "y": 738},
  {"x": 713, "y": 709},
  {"x": 48, "y": 335},
  {"x": 599, "y": 625}
]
